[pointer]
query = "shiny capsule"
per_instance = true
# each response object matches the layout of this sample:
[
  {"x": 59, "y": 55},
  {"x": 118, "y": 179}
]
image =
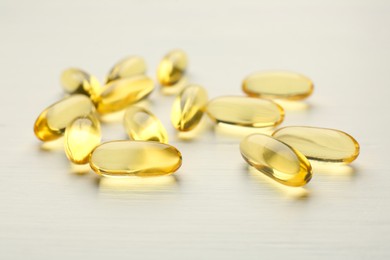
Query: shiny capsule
[
  {"x": 81, "y": 137},
  {"x": 172, "y": 68},
  {"x": 275, "y": 159},
  {"x": 121, "y": 93},
  {"x": 135, "y": 158},
  {"x": 51, "y": 123},
  {"x": 245, "y": 111},
  {"x": 278, "y": 85},
  {"x": 127, "y": 67},
  {"x": 77, "y": 81},
  {"x": 188, "y": 108},
  {"x": 141, "y": 124},
  {"x": 320, "y": 144}
]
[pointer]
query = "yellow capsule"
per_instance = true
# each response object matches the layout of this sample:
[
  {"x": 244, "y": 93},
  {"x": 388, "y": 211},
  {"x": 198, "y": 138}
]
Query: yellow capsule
[
  {"x": 276, "y": 159},
  {"x": 188, "y": 108},
  {"x": 320, "y": 144},
  {"x": 81, "y": 137},
  {"x": 135, "y": 158},
  {"x": 141, "y": 124},
  {"x": 172, "y": 68},
  {"x": 77, "y": 81},
  {"x": 278, "y": 85},
  {"x": 121, "y": 93},
  {"x": 51, "y": 123},
  {"x": 127, "y": 67},
  {"x": 245, "y": 111}
]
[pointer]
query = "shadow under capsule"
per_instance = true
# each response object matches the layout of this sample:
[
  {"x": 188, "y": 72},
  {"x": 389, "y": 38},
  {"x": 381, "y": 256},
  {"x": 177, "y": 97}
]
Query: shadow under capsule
[
  {"x": 286, "y": 191},
  {"x": 174, "y": 89},
  {"x": 79, "y": 169},
  {"x": 55, "y": 145},
  {"x": 240, "y": 131},
  {"x": 333, "y": 169},
  {"x": 293, "y": 105},
  {"x": 138, "y": 184},
  {"x": 117, "y": 116}
]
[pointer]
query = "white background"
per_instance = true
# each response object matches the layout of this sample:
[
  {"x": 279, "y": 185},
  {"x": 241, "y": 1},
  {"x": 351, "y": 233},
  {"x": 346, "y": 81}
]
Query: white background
[{"x": 213, "y": 208}]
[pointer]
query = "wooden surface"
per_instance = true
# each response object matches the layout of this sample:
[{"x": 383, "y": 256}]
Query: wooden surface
[{"x": 214, "y": 207}]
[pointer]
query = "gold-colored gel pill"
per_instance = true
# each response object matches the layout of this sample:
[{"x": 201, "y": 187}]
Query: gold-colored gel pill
[
  {"x": 81, "y": 137},
  {"x": 188, "y": 108},
  {"x": 127, "y": 67},
  {"x": 51, "y": 123},
  {"x": 121, "y": 93},
  {"x": 135, "y": 158},
  {"x": 141, "y": 124},
  {"x": 77, "y": 81},
  {"x": 320, "y": 144},
  {"x": 245, "y": 111},
  {"x": 276, "y": 159},
  {"x": 278, "y": 85},
  {"x": 172, "y": 68}
]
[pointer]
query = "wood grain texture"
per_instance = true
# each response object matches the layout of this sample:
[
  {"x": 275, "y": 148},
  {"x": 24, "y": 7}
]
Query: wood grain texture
[{"x": 214, "y": 207}]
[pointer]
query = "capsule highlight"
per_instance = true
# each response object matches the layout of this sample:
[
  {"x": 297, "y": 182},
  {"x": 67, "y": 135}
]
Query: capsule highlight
[
  {"x": 172, "y": 68},
  {"x": 82, "y": 135},
  {"x": 188, "y": 108},
  {"x": 121, "y": 93},
  {"x": 143, "y": 125},
  {"x": 320, "y": 144},
  {"x": 135, "y": 158},
  {"x": 127, "y": 67},
  {"x": 278, "y": 85},
  {"x": 276, "y": 159},
  {"x": 245, "y": 111},
  {"x": 51, "y": 123},
  {"x": 77, "y": 81}
]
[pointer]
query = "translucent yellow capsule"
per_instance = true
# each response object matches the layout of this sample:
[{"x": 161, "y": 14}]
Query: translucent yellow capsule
[
  {"x": 121, "y": 93},
  {"x": 127, "y": 67},
  {"x": 188, "y": 108},
  {"x": 172, "y": 68},
  {"x": 276, "y": 159},
  {"x": 320, "y": 144},
  {"x": 77, "y": 81},
  {"x": 245, "y": 111},
  {"x": 51, "y": 123},
  {"x": 81, "y": 137},
  {"x": 278, "y": 85},
  {"x": 135, "y": 158},
  {"x": 141, "y": 124}
]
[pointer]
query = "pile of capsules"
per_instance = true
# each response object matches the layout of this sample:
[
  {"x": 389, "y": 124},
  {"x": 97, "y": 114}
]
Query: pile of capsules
[{"x": 283, "y": 156}]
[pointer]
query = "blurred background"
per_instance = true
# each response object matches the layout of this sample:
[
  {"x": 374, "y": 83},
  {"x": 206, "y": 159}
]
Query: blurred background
[{"x": 213, "y": 207}]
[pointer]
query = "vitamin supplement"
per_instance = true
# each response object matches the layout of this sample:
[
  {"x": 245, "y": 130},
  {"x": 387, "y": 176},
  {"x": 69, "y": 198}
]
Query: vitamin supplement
[
  {"x": 77, "y": 81},
  {"x": 276, "y": 159},
  {"x": 141, "y": 124},
  {"x": 172, "y": 68},
  {"x": 278, "y": 85},
  {"x": 135, "y": 158},
  {"x": 121, "y": 93},
  {"x": 245, "y": 111},
  {"x": 81, "y": 137},
  {"x": 51, "y": 123},
  {"x": 188, "y": 108},
  {"x": 320, "y": 144},
  {"x": 128, "y": 67}
]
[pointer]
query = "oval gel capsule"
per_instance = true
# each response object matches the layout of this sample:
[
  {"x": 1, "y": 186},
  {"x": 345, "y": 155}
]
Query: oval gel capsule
[
  {"x": 141, "y": 124},
  {"x": 121, "y": 93},
  {"x": 278, "y": 85},
  {"x": 77, "y": 81},
  {"x": 320, "y": 144},
  {"x": 135, "y": 158},
  {"x": 276, "y": 159},
  {"x": 82, "y": 135},
  {"x": 245, "y": 111},
  {"x": 172, "y": 68},
  {"x": 127, "y": 67},
  {"x": 188, "y": 108},
  {"x": 51, "y": 123}
]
